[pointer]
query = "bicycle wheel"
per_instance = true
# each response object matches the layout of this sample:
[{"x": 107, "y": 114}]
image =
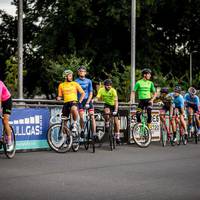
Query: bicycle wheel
[
  {"x": 86, "y": 136},
  {"x": 59, "y": 138},
  {"x": 141, "y": 135},
  {"x": 163, "y": 135},
  {"x": 111, "y": 136},
  {"x": 11, "y": 152},
  {"x": 76, "y": 141}
]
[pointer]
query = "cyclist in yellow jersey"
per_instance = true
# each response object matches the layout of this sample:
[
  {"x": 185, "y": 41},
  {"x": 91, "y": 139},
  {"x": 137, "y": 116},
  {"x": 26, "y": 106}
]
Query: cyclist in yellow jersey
[
  {"x": 69, "y": 91},
  {"x": 108, "y": 95}
]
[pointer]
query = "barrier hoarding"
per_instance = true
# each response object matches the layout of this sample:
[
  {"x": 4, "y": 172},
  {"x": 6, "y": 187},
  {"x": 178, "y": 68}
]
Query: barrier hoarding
[{"x": 30, "y": 126}]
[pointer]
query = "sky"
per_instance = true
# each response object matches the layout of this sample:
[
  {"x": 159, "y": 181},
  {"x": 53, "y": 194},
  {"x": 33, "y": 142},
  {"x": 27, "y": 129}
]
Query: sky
[{"x": 6, "y": 6}]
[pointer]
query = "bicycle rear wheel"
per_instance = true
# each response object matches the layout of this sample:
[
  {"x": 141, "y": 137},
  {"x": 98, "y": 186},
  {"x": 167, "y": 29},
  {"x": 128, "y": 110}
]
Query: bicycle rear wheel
[
  {"x": 141, "y": 135},
  {"x": 11, "y": 152},
  {"x": 59, "y": 138}
]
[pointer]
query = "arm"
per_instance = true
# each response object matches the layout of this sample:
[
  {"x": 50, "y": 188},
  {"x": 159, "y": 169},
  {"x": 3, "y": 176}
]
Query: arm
[
  {"x": 60, "y": 94},
  {"x": 90, "y": 97},
  {"x": 132, "y": 98}
]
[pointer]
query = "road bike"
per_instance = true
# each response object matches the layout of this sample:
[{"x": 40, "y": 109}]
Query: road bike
[
  {"x": 140, "y": 132},
  {"x": 89, "y": 137},
  {"x": 60, "y": 136},
  {"x": 109, "y": 130},
  {"x": 193, "y": 129},
  {"x": 180, "y": 133},
  {"x": 4, "y": 140},
  {"x": 165, "y": 130}
]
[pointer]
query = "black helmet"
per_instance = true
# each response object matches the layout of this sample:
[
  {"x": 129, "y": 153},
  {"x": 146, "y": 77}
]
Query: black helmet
[
  {"x": 192, "y": 91},
  {"x": 146, "y": 71},
  {"x": 177, "y": 89},
  {"x": 164, "y": 90},
  {"x": 81, "y": 68},
  {"x": 107, "y": 82}
]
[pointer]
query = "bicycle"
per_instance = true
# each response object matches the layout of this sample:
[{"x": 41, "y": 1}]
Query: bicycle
[
  {"x": 193, "y": 130},
  {"x": 165, "y": 130},
  {"x": 179, "y": 130},
  {"x": 89, "y": 138},
  {"x": 141, "y": 133},
  {"x": 61, "y": 138},
  {"x": 109, "y": 131},
  {"x": 4, "y": 140}
]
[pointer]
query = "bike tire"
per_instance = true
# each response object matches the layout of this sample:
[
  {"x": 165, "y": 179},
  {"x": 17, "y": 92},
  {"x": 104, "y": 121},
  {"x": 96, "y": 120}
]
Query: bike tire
[
  {"x": 9, "y": 154},
  {"x": 111, "y": 137},
  {"x": 143, "y": 140},
  {"x": 163, "y": 136},
  {"x": 56, "y": 139},
  {"x": 76, "y": 142},
  {"x": 86, "y": 136}
]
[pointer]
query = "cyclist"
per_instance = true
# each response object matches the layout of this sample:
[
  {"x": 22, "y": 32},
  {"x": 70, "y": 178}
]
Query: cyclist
[
  {"x": 109, "y": 96},
  {"x": 178, "y": 104},
  {"x": 145, "y": 89},
  {"x": 69, "y": 90},
  {"x": 166, "y": 101},
  {"x": 6, "y": 103},
  {"x": 86, "y": 85},
  {"x": 192, "y": 107}
]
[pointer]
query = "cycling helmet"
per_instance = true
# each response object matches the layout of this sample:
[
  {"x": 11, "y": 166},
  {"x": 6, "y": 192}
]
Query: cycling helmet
[
  {"x": 192, "y": 91},
  {"x": 107, "y": 82},
  {"x": 66, "y": 72},
  {"x": 177, "y": 89},
  {"x": 146, "y": 71},
  {"x": 164, "y": 90},
  {"x": 81, "y": 68}
]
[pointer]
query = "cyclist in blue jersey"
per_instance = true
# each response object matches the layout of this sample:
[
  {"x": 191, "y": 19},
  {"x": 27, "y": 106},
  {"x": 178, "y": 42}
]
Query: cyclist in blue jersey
[
  {"x": 86, "y": 85},
  {"x": 192, "y": 107},
  {"x": 178, "y": 104}
]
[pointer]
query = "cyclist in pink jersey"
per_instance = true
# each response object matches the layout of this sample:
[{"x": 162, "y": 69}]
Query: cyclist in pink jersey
[{"x": 6, "y": 103}]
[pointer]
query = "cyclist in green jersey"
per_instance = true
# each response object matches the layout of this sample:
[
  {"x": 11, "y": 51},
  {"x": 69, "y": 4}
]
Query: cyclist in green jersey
[
  {"x": 146, "y": 94},
  {"x": 108, "y": 95}
]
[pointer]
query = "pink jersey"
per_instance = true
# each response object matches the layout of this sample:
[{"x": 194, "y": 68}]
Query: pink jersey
[{"x": 4, "y": 93}]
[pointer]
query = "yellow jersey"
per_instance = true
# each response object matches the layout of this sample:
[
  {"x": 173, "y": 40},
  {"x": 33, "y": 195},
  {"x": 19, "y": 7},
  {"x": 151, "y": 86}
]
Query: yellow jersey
[{"x": 69, "y": 91}]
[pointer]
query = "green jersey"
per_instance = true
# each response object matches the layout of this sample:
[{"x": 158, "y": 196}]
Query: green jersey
[
  {"x": 144, "y": 88},
  {"x": 107, "y": 97}
]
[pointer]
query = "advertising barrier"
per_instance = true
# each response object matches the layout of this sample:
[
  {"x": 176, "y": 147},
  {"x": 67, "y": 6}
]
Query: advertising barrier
[{"x": 30, "y": 126}]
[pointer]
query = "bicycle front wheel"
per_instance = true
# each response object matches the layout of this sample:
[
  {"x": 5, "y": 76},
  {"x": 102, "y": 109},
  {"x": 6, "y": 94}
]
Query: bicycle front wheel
[
  {"x": 59, "y": 138},
  {"x": 163, "y": 135},
  {"x": 10, "y": 153},
  {"x": 141, "y": 135}
]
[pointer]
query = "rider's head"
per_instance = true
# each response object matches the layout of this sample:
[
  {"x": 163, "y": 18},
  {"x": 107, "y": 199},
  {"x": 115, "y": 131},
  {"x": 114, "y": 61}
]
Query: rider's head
[
  {"x": 192, "y": 91},
  {"x": 108, "y": 84},
  {"x": 146, "y": 73},
  {"x": 164, "y": 91},
  {"x": 81, "y": 71},
  {"x": 177, "y": 90},
  {"x": 68, "y": 75}
]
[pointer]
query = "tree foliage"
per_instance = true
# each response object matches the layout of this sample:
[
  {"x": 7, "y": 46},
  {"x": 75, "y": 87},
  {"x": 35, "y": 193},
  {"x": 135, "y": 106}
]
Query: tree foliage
[{"x": 67, "y": 33}]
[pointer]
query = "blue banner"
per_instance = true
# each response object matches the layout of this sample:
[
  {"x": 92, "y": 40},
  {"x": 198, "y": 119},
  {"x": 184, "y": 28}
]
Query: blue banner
[{"x": 30, "y": 126}]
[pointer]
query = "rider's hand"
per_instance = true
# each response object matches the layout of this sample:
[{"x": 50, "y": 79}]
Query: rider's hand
[
  {"x": 114, "y": 113},
  {"x": 87, "y": 105},
  {"x": 58, "y": 98}
]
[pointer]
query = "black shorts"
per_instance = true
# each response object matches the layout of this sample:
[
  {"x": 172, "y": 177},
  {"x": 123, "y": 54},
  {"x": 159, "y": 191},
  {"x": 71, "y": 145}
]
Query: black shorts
[
  {"x": 112, "y": 108},
  {"x": 67, "y": 107},
  {"x": 7, "y": 106},
  {"x": 143, "y": 104},
  {"x": 194, "y": 107},
  {"x": 81, "y": 106}
]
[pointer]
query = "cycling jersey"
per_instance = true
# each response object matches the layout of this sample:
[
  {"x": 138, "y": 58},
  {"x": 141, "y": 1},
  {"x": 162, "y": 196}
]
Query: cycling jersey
[
  {"x": 108, "y": 97},
  {"x": 192, "y": 102},
  {"x": 86, "y": 85},
  {"x": 144, "y": 88},
  {"x": 166, "y": 100},
  {"x": 178, "y": 101},
  {"x": 69, "y": 91},
  {"x": 4, "y": 93}
]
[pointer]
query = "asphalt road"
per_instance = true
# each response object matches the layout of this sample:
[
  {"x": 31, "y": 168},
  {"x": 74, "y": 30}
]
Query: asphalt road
[{"x": 129, "y": 172}]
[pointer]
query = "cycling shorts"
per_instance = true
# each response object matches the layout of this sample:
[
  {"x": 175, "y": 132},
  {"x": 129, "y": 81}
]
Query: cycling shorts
[
  {"x": 67, "y": 107},
  {"x": 144, "y": 104},
  {"x": 194, "y": 107},
  {"x": 81, "y": 106},
  {"x": 7, "y": 106}
]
